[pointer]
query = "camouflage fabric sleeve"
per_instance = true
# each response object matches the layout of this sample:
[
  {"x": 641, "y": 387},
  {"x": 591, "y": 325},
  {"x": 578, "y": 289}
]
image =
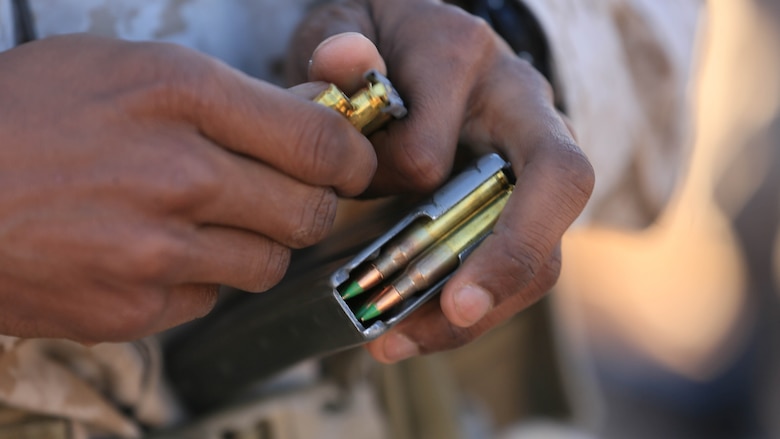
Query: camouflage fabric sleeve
[{"x": 92, "y": 387}]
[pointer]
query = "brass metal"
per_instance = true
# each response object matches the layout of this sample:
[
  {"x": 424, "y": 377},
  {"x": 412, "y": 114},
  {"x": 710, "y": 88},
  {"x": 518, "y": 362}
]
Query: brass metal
[
  {"x": 423, "y": 233},
  {"x": 438, "y": 261},
  {"x": 221, "y": 357},
  {"x": 368, "y": 109},
  {"x": 334, "y": 98}
]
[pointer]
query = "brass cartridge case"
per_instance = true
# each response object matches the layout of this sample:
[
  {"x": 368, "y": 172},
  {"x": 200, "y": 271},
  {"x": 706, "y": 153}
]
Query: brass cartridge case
[
  {"x": 423, "y": 233},
  {"x": 438, "y": 261},
  {"x": 368, "y": 109},
  {"x": 333, "y": 97},
  {"x": 222, "y": 356}
]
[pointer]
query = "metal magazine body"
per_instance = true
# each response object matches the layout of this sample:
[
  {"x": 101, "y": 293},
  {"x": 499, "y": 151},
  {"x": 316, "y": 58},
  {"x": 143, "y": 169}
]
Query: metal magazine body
[
  {"x": 441, "y": 202},
  {"x": 256, "y": 336}
]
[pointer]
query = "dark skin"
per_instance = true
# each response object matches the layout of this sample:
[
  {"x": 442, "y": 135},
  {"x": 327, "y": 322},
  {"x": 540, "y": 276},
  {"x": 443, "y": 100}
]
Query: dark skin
[
  {"x": 463, "y": 85},
  {"x": 136, "y": 177}
]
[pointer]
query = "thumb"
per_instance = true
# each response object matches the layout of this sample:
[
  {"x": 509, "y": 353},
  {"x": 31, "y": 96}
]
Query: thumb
[
  {"x": 323, "y": 21},
  {"x": 343, "y": 59}
]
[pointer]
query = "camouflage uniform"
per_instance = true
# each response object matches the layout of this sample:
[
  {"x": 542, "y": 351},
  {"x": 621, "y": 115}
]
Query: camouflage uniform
[{"x": 110, "y": 388}]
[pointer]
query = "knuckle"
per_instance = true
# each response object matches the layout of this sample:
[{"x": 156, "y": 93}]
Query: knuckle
[
  {"x": 550, "y": 272},
  {"x": 546, "y": 277},
  {"x": 330, "y": 152},
  {"x": 188, "y": 182},
  {"x": 423, "y": 170},
  {"x": 168, "y": 76},
  {"x": 531, "y": 257},
  {"x": 133, "y": 316},
  {"x": 475, "y": 33},
  {"x": 357, "y": 177},
  {"x": 575, "y": 174},
  {"x": 151, "y": 258},
  {"x": 579, "y": 170},
  {"x": 318, "y": 157},
  {"x": 205, "y": 300},
  {"x": 269, "y": 267},
  {"x": 527, "y": 254},
  {"x": 451, "y": 337},
  {"x": 314, "y": 139},
  {"x": 522, "y": 69},
  {"x": 179, "y": 62},
  {"x": 473, "y": 42},
  {"x": 316, "y": 217},
  {"x": 140, "y": 316}
]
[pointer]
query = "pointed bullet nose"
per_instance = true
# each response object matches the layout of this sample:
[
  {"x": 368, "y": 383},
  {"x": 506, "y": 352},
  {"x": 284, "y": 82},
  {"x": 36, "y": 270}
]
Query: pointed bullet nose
[
  {"x": 352, "y": 290},
  {"x": 368, "y": 312}
]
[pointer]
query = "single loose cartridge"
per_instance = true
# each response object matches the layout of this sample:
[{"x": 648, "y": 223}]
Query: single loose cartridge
[{"x": 368, "y": 109}]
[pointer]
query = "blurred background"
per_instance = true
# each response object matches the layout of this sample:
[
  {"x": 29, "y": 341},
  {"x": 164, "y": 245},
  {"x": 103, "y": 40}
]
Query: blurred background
[{"x": 672, "y": 331}]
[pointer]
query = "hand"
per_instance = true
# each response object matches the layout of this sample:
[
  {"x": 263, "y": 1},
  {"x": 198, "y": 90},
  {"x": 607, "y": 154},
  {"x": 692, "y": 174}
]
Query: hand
[
  {"x": 463, "y": 83},
  {"x": 136, "y": 177}
]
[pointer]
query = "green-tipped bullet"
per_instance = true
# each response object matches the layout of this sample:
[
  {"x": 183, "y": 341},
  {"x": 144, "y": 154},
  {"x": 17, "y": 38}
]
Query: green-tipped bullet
[
  {"x": 368, "y": 312},
  {"x": 419, "y": 236},
  {"x": 352, "y": 290},
  {"x": 437, "y": 261},
  {"x": 364, "y": 278}
]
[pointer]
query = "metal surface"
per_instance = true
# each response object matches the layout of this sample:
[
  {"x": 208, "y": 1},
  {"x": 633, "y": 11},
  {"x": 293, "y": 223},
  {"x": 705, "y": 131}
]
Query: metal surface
[
  {"x": 439, "y": 204},
  {"x": 420, "y": 235},
  {"x": 437, "y": 262},
  {"x": 371, "y": 107},
  {"x": 304, "y": 316}
]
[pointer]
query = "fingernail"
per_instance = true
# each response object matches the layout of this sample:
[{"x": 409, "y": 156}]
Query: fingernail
[
  {"x": 398, "y": 347},
  {"x": 471, "y": 304}
]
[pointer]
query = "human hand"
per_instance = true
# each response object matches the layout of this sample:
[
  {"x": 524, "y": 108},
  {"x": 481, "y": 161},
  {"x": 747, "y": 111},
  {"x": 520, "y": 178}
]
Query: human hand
[
  {"x": 462, "y": 83},
  {"x": 136, "y": 177}
]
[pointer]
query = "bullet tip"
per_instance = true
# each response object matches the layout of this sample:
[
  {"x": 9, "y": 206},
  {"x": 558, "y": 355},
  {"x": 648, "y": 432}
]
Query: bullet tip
[
  {"x": 352, "y": 290},
  {"x": 368, "y": 312}
]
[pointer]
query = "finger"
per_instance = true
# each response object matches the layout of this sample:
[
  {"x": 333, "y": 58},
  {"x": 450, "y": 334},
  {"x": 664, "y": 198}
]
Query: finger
[
  {"x": 153, "y": 254},
  {"x": 343, "y": 59},
  {"x": 155, "y": 311},
  {"x": 416, "y": 153},
  {"x": 308, "y": 90},
  {"x": 119, "y": 314},
  {"x": 252, "y": 117},
  {"x": 206, "y": 185},
  {"x": 232, "y": 257},
  {"x": 185, "y": 303},
  {"x": 321, "y": 23},
  {"x": 258, "y": 198},
  {"x": 299, "y": 137},
  {"x": 429, "y": 330},
  {"x": 435, "y": 76},
  {"x": 554, "y": 181}
]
